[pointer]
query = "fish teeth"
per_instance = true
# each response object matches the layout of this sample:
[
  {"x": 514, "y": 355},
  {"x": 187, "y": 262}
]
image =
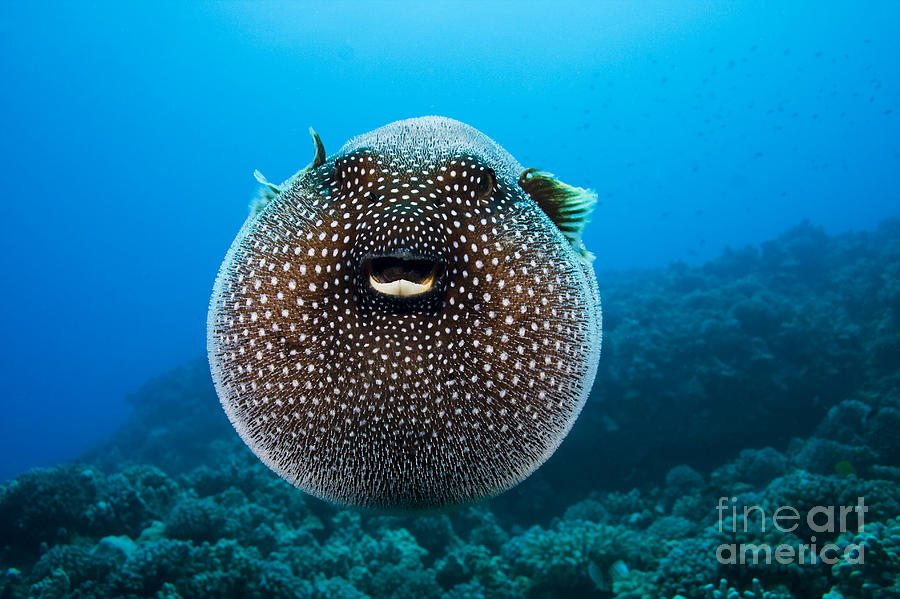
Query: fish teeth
[{"x": 401, "y": 287}]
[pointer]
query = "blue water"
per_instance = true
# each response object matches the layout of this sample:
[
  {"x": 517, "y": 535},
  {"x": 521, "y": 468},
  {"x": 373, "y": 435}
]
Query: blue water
[{"x": 129, "y": 132}]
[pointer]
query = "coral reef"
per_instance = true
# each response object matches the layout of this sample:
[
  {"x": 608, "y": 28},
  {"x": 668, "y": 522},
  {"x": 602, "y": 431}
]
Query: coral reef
[{"x": 764, "y": 380}]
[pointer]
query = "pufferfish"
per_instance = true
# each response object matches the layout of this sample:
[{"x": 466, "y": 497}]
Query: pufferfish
[{"x": 410, "y": 324}]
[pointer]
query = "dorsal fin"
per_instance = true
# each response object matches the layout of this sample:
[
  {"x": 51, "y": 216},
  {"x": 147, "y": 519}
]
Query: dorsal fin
[
  {"x": 319, "y": 158},
  {"x": 269, "y": 191},
  {"x": 265, "y": 193},
  {"x": 566, "y": 205}
]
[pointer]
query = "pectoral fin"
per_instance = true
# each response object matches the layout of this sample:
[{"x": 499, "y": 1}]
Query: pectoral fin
[
  {"x": 269, "y": 191},
  {"x": 567, "y": 206}
]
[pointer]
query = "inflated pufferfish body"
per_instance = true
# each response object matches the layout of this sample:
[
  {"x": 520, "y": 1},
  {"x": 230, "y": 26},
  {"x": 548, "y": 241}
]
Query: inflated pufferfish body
[{"x": 409, "y": 324}]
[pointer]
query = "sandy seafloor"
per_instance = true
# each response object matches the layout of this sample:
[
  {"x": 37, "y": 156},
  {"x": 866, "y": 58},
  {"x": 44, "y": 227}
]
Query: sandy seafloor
[{"x": 766, "y": 378}]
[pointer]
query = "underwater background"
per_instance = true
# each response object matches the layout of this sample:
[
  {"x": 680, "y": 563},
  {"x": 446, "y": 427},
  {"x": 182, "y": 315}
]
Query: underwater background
[{"x": 747, "y": 162}]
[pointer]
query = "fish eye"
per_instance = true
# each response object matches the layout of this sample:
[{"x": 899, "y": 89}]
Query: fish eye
[
  {"x": 351, "y": 166},
  {"x": 484, "y": 185}
]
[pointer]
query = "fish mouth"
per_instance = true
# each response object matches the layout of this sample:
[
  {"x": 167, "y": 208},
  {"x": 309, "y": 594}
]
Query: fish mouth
[{"x": 402, "y": 274}]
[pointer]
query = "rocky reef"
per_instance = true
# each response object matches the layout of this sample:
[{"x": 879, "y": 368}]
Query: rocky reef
[{"x": 764, "y": 380}]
